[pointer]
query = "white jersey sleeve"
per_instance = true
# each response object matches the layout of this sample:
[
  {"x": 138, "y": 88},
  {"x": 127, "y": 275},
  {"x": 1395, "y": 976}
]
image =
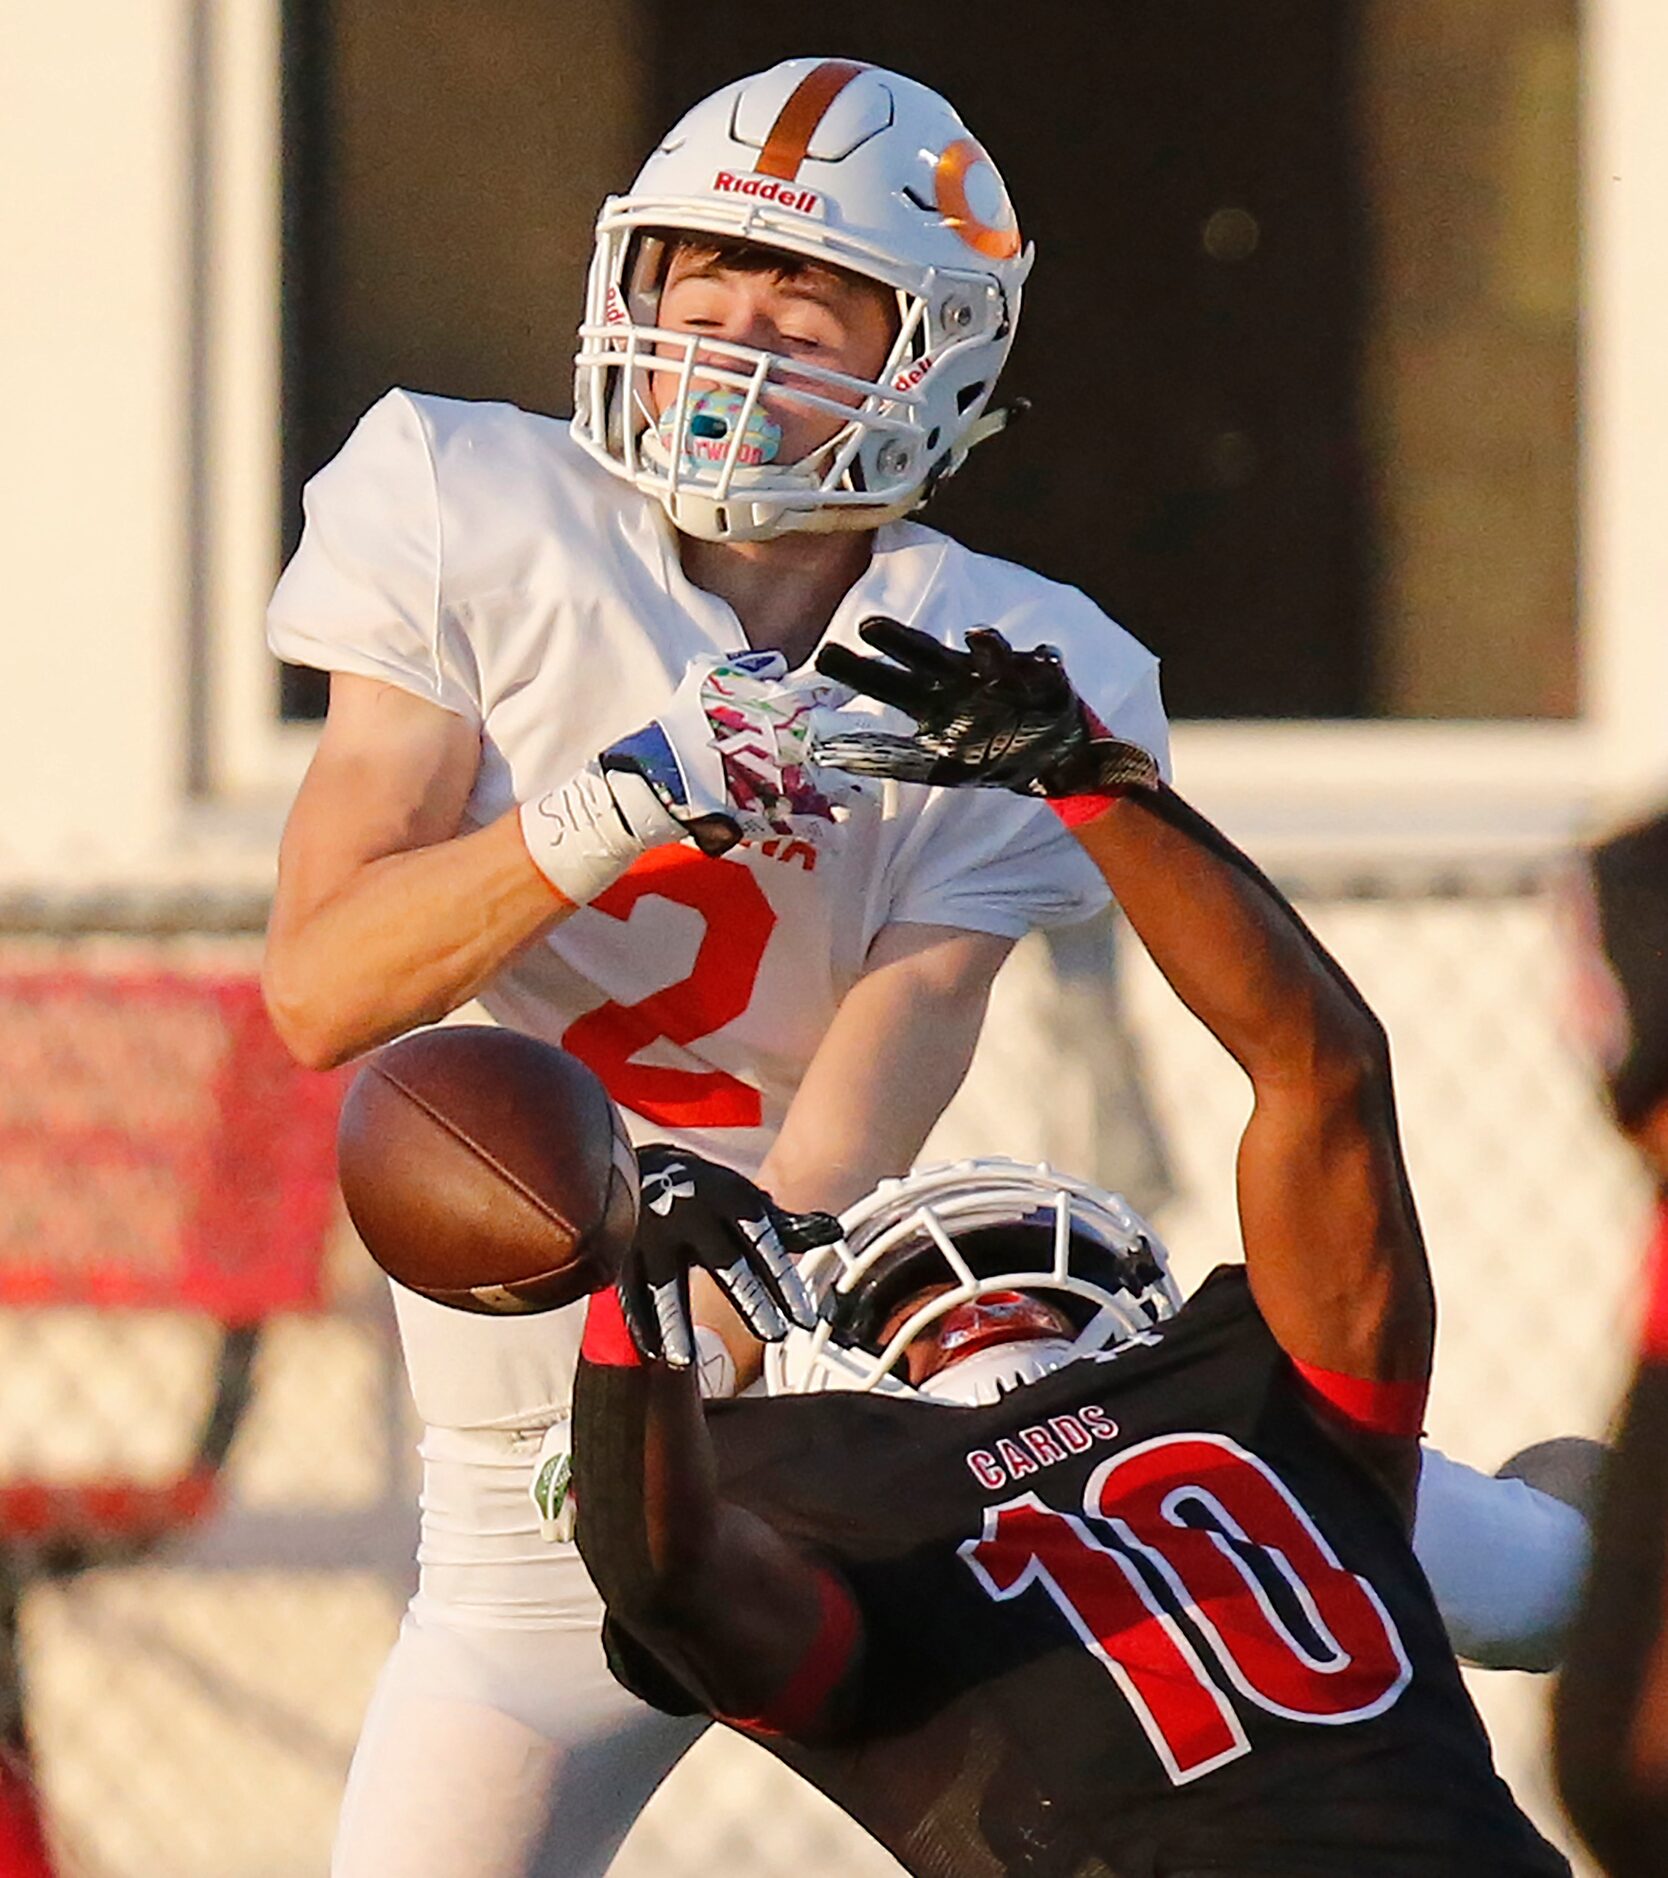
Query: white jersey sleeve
[
  {"x": 977, "y": 858},
  {"x": 991, "y": 863},
  {"x": 363, "y": 592}
]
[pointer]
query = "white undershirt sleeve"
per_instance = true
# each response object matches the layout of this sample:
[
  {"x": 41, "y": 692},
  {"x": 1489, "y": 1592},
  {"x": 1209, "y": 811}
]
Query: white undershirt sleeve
[
  {"x": 1505, "y": 1561},
  {"x": 363, "y": 592}
]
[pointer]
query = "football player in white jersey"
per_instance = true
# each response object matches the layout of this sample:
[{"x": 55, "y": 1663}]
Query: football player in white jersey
[{"x": 794, "y": 326}]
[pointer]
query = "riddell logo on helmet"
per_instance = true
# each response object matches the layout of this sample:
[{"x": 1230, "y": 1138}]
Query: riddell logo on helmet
[
  {"x": 768, "y": 189},
  {"x": 913, "y": 373}
]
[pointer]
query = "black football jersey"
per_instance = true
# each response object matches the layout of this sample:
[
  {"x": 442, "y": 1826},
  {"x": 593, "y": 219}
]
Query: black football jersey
[{"x": 1140, "y": 1619}]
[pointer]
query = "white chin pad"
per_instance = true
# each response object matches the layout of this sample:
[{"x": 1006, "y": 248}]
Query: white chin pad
[{"x": 988, "y": 1375}]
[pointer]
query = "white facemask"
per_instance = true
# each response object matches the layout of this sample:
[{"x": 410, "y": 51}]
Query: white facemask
[{"x": 988, "y": 1375}]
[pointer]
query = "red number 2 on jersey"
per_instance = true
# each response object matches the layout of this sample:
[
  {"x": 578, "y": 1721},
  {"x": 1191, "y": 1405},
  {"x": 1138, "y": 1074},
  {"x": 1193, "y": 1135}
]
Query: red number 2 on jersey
[
  {"x": 739, "y": 920},
  {"x": 1358, "y": 1669}
]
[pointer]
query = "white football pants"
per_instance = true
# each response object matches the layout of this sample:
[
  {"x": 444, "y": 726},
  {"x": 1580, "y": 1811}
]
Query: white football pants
[{"x": 497, "y": 1744}]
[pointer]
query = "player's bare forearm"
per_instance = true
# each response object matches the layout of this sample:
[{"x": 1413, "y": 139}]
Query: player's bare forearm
[
  {"x": 1331, "y": 1237},
  {"x": 728, "y": 1605},
  {"x": 384, "y": 915},
  {"x": 1235, "y": 953},
  {"x": 403, "y": 940},
  {"x": 895, "y": 1054},
  {"x": 897, "y": 1051}
]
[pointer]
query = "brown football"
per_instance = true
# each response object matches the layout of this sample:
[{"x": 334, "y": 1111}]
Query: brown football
[{"x": 487, "y": 1170}]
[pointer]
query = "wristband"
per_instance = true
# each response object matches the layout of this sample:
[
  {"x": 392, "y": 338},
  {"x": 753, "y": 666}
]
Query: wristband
[
  {"x": 715, "y": 1368},
  {"x": 1378, "y": 1408},
  {"x": 1074, "y": 811},
  {"x": 607, "y": 1342},
  {"x": 578, "y": 836}
]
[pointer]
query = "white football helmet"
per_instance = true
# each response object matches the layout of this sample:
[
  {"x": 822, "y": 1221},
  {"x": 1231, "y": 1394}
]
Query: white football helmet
[
  {"x": 981, "y": 1228},
  {"x": 846, "y": 165}
]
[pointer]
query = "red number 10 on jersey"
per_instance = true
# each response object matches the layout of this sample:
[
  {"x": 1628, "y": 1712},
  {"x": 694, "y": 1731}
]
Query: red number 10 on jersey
[{"x": 1344, "y": 1662}]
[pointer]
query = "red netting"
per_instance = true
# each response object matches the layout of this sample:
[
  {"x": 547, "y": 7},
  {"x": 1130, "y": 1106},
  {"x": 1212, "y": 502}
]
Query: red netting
[
  {"x": 158, "y": 1147},
  {"x": 101, "y": 1510}
]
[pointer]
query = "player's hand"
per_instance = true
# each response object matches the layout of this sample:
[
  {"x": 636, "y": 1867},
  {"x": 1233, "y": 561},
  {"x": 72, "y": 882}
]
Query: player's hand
[
  {"x": 989, "y": 717},
  {"x": 728, "y": 760},
  {"x": 694, "y": 1212}
]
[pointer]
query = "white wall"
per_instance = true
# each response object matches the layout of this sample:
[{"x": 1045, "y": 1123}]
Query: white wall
[
  {"x": 94, "y": 227},
  {"x": 1625, "y": 421}
]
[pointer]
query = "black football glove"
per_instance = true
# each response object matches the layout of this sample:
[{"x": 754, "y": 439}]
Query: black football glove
[
  {"x": 695, "y": 1213},
  {"x": 988, "y": 718}
]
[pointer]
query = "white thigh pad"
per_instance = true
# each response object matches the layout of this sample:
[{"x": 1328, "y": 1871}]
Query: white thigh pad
[{"x": 488, "y": 1372}]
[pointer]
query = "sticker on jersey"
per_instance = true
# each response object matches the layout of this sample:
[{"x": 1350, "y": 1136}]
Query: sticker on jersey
[
  {"x": 1185, "y": 1616},
  {"x": 551, "y": 1489},
  {"x": 973, "y": 200},
  {"x": 786, "y": 195}
]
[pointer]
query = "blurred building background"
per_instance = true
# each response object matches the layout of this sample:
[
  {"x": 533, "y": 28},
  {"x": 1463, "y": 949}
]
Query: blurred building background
[{"x": 1347, "y": 397}]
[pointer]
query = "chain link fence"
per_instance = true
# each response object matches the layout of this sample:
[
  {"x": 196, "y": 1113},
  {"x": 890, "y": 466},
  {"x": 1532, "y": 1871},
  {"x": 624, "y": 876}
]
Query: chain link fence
[{"x": 192, "y": 1694}]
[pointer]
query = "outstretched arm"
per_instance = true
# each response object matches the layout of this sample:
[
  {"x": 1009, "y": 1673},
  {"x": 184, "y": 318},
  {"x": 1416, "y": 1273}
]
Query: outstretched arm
[
  {"x": 1331, "y": 1237},
  {"x": 758, "y": 1632},
  {"x": 387, "y": 916}
]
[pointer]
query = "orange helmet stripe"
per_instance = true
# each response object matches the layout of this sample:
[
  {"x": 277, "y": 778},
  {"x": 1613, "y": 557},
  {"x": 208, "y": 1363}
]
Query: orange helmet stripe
[{"x": 797, "y": 121}]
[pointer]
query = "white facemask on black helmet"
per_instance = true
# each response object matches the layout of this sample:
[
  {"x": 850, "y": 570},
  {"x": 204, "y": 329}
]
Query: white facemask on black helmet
[
  {"x": 977, "y": 1229},
  {"x": 850, "y": 167}
]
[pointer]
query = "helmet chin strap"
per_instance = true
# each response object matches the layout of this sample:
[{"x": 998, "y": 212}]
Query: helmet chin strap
[{"x": 987, "y": 1375}]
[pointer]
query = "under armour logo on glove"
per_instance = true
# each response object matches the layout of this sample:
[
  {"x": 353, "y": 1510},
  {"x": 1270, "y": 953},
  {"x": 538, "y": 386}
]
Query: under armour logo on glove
[
  {"x": 664, "y": 1188},
  {"x": 700, "y": 1214}
]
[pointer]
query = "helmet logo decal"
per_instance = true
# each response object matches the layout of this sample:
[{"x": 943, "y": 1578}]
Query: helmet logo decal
[
  {"x": 797, "y": 121},
  {"x": 988, "y": 225},
  {"x": 914, "y": 372},
  {"x": 806, "y": 201}
]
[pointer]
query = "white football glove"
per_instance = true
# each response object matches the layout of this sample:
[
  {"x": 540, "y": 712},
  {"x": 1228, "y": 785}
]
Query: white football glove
[{"x": 726, "y": 761}]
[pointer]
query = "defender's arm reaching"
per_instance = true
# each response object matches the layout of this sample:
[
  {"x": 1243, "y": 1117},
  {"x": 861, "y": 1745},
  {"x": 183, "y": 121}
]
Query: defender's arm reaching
[
  {"x": 760, "y": 1633},
  {"x": 1332, "y": 1240}
]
